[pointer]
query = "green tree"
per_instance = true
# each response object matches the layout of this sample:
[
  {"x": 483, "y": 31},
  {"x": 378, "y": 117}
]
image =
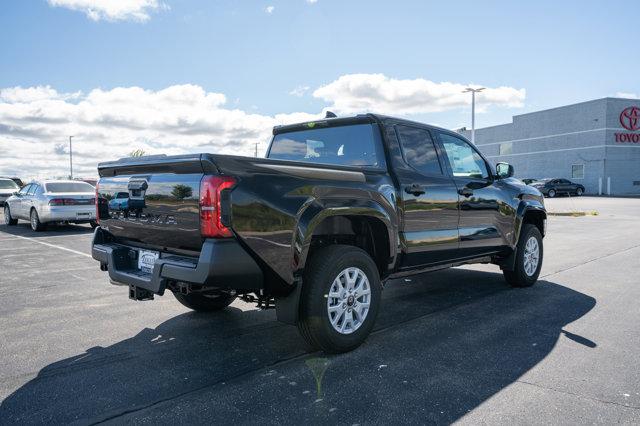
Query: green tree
[
  {"x": 137, "y": 153},
  {"x": 181, "y": 191}
]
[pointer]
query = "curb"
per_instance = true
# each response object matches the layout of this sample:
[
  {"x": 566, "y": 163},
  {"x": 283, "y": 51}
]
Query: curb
[{"x": 573, "y": 214}]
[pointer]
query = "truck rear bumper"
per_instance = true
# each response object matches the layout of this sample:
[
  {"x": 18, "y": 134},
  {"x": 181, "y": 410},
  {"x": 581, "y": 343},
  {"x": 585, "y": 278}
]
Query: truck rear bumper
[{"x": 222, "y": 263}]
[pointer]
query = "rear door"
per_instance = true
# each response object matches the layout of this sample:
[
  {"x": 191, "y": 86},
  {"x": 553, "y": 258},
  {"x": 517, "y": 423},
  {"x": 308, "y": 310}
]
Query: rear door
[
  {"x": 567, "y": 186},
  {"x": 479, "y": 199},
  {"x": 27, "y": 201},
  {"x": 429, "y": 199}
]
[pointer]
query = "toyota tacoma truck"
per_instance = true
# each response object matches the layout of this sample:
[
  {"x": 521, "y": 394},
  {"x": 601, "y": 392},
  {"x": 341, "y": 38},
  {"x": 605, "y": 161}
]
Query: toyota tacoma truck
[{"x": 338, "y": 207}]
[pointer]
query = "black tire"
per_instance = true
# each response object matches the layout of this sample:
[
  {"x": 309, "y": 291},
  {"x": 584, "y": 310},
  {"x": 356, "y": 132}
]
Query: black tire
[
  {"x": 519, "y": 277},
  {"x": 93, "y": 224},
  {"x": 8, "y": 219},
  {"x": 551, "y": 193},
  {"x": 579, "y": 192},
  {"x": 321, "y": 270},
  {"x": 209, "y": 302},
  {"x": 36, "y": 225}
]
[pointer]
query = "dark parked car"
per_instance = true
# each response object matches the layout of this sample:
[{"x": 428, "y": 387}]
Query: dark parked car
[
  {"x": 552, "y": 187},
  {"x": 338, "y": 207},
  {"x": 8, "y": 187},
  {"x": 18, "y": 181},
  {"x": 529, "y": 181}
]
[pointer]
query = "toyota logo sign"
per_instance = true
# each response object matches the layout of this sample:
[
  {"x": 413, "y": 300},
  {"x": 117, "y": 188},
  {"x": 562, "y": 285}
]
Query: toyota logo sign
[{"x": 630, "y": 118}]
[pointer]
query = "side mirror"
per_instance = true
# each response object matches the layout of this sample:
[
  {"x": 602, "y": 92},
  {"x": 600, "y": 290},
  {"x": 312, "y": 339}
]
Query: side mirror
[{"x": 504, "y": 170}]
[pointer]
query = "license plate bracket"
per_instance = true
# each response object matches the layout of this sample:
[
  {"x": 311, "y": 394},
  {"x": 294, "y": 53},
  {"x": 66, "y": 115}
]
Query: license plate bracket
[{"x": 146, "y": 260}]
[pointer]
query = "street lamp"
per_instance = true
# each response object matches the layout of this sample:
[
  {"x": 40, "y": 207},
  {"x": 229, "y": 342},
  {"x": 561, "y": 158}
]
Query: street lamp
[
  {"x": 70, "y": 158},
  {"x": 473, "y": 110}
]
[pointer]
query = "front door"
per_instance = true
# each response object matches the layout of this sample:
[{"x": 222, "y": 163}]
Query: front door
[
  {"x": 429, "y": 199},
  {"x": 479, "y": 200}
]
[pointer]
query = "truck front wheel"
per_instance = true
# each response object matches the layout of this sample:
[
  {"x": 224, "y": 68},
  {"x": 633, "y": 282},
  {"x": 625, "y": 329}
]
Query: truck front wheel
[
  {"x": 528, "y": 258},
  {"x": 205, "y": 302},
  {"x": 340, "y": 298}
]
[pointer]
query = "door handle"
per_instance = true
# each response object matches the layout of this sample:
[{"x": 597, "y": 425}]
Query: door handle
[
  {"x": 414, "y": 189},
  {"x": 465, "y": 191}
]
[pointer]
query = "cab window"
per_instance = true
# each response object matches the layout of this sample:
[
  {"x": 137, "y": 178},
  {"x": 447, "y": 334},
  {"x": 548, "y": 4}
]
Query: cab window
[
  {"x": 418, "y": 149},
  {"x": 348, "y": 145},
  {"x": 464, "y": 160},
  {"x": 32, "y": 189}
]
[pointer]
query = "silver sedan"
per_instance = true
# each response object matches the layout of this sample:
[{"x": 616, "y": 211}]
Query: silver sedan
[{"x": 51, "y": 201}]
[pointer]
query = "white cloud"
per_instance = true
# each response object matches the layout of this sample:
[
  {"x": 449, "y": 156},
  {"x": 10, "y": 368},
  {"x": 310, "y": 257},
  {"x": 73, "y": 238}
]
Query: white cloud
[
  {"x": 299, "y": 91},
  {"x": 35, "y": 124},
  {"x": 113, "y": 10},
  {"x": 269, "y": 9},
  {"x": 312, "y": 1},
  {"x": 378, "y": 93},
  {"x": 627, "y": 95}
]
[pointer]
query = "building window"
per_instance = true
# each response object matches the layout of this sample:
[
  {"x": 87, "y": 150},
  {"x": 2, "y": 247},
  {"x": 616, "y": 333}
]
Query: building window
[
  {"x": 577, "y": 171},
  {"x": 506, "y": 148}
]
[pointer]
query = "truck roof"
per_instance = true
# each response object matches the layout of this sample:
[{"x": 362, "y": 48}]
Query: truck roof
[{"x": 354, "y": 119}]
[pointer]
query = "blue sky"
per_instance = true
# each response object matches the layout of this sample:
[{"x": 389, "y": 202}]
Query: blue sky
[{"x": 558, "y": 52}]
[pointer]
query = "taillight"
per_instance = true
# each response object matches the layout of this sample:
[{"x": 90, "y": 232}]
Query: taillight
[
  {"x": 211, "y": 188},
  {"x": 62, "y": 202},
  {"x": 97, "y": 202}
]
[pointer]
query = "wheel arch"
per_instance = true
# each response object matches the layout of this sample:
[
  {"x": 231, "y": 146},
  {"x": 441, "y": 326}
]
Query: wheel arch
[{"x": 361, "y": 223}]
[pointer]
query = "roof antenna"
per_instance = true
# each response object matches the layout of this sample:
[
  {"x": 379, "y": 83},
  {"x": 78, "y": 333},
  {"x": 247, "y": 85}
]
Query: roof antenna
[{"x": 329, "y": 114}]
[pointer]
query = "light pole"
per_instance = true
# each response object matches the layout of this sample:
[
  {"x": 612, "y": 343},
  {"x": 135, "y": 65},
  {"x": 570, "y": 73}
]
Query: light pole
[
  {"x": 473, "y": 110},
  {"x": 70, "y": 158}
]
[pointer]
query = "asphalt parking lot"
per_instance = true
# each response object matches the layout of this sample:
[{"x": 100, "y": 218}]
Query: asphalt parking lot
[{"x": 452, "y": 346}]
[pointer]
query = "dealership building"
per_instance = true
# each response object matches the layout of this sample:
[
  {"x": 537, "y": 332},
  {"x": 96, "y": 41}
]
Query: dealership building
[{"x": 595, "y": 143}]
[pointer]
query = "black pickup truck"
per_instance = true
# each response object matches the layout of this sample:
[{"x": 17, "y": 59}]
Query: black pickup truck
[{"x": 338, "y": 207}]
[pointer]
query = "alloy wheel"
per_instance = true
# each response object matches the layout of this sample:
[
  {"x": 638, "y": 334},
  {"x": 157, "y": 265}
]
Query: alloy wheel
[
  {"x": 531, "y": 256},
  {"x": 34, "y": 220},
  {"x": 348, "y": 300}
]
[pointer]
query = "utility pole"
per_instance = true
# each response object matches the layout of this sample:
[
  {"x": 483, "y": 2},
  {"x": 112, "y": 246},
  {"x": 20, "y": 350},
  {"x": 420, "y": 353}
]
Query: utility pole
[
  {"x": 256, "y": 153},
  {"x": 70, "y": 158},
  {"x": 473, "y": 110}
]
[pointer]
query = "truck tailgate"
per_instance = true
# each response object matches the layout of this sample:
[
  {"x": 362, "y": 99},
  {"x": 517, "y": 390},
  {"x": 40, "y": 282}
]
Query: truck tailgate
[{"x": 152, "y": 201}]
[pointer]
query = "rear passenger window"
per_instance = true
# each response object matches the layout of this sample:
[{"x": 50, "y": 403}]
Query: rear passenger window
[{"x": 419, "y": 150}]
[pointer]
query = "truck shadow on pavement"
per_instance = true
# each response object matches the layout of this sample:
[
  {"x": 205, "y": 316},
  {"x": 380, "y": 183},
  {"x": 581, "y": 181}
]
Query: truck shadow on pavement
[{"x": 444, "y": 343}]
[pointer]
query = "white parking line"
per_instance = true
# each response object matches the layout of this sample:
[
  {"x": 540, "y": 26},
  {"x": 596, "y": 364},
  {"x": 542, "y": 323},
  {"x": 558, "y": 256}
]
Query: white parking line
[{"x": 54, "y": 246}]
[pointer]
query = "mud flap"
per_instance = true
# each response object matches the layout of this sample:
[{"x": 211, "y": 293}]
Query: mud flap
[
  {"x": 509, "y": 262},
  {"x": 288, "y": 307}
]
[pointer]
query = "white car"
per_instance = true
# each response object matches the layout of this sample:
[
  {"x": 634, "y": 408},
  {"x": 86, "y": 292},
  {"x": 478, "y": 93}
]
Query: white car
[
  {"x": 52, "y": 201},
  {"x": 7, "y": 188}
]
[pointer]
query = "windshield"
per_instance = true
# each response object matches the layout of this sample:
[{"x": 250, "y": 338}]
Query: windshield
[
  {"x": 351, "y": 145},
  {"x": 69, "y": 187},
  {"x": 8, "y": 184}
]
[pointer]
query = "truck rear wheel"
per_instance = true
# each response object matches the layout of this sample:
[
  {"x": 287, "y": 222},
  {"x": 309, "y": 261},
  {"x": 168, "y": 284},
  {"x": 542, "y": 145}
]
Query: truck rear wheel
[
  {"x": 528, "y": 258},
  {"x": 208, "y": 302},
  {"x": 340, "y": 298}
]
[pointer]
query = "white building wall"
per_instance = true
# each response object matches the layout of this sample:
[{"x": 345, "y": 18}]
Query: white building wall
[{"x": 548, "y": 143}]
